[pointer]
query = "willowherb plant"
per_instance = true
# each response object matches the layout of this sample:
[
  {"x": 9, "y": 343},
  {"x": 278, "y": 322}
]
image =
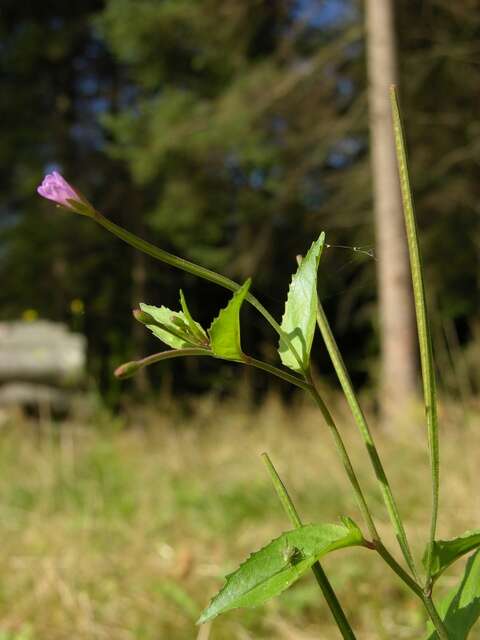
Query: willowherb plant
[{"x": 280, "y": 563}]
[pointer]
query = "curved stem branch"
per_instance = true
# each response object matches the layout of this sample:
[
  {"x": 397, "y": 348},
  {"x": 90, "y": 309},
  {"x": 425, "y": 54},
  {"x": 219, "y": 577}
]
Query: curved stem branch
[
  {"x": 279, "y": 373},
  {"x": 130, "y": 368},
  {"x": 194, "y": 269}
]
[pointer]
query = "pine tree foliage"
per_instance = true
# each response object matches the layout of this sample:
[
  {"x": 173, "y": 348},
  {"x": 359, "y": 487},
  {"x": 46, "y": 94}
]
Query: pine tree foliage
[{"x": 232, "y": 133}]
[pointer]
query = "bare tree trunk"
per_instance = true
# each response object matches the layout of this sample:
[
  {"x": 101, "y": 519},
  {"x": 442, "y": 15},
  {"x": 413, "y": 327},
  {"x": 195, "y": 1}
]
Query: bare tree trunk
[{"x": 398, "y": 357}]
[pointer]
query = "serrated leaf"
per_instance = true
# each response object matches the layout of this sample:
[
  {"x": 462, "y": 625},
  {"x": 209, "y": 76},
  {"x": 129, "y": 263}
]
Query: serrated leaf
[
  {"x": 299, "y": 319},
  {"x": 171, "y": 332},
  {"x": 267, "y": 573},
  {"x": 445, "y": 552},
  {"x": 195, "y": 327},
  {"x": 460, "y": 609},
  {"x": 225, "y": 329}
]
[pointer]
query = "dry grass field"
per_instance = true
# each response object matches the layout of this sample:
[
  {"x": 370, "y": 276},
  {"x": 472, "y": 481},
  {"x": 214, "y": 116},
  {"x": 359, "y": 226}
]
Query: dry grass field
[{"x": 123, "y": 530}]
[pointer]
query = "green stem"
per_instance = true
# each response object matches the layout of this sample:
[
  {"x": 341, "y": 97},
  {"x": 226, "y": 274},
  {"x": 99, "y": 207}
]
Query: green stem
[
  {"x": 194, "y": 269},
  {"x": 131, "y": 368},
  {"x": 416, "y": 588},
  {"x": 424, "y": 336},
  {"x": 321, "y": 577},
  {"x": 347, "y": 386},
  {"x": 440, "y": 628},
  {"x": 347, "y": 465},
  {"x": 398, "y": 569},
  {"x": 279, "y": 373}
]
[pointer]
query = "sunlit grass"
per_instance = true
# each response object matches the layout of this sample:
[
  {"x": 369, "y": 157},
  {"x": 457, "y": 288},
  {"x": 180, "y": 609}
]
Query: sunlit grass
[{"x": 126, "y": 533}]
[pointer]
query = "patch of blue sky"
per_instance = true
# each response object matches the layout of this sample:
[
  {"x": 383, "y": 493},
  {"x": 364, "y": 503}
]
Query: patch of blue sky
[{"x": 326, "y": 13}]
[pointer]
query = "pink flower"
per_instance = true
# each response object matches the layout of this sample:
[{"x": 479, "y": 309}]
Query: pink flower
[{"x": 54, "y": 187}]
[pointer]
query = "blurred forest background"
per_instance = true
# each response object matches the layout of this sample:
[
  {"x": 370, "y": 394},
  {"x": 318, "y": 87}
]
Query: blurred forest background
[{"x": 231, "y": 133}]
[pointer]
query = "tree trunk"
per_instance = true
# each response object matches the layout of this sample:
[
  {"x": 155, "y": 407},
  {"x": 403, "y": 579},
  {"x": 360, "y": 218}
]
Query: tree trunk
[
  {"x": 139, "y": 333},
  {"x": 397, "y": 329}
]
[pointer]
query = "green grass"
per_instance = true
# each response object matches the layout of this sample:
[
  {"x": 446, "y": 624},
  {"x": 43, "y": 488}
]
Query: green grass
[{"x": 126, "y": 534}]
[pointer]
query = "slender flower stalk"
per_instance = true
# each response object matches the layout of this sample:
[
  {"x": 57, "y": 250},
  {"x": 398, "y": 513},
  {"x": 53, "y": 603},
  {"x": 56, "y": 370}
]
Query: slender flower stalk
[
  {"x": 195, "y": 269},
  {"x": 56, "y": 188},
  {"x": 129, "y": 369}
]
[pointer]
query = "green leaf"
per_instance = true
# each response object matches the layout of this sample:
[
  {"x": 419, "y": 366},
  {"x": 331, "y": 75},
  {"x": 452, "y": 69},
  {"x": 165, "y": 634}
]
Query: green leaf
[
  {"x": 194, "y": 327},
  {"x": 445, "y": 552},
  {"x": 460, "y": 609},
  {"x": 172, "y": 327},
  {"x": 274, "y": 568},
  {"x": 298, "y": 321},
  {"x": 225, "y": 329}
]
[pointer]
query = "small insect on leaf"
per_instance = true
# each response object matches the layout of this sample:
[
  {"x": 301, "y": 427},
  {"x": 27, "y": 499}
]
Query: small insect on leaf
[
  {"x": 291, "y": 555},
  {"x": 275, "y": 567}
]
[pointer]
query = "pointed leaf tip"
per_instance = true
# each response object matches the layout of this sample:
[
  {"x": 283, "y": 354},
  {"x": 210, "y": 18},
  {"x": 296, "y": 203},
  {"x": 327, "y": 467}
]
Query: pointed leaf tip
[
  {"x": 225, "y": 329},
  {"x": 299, "y": 318},
  {"x": 446, "y": 552},
  {"x": 194, "y": 327},
  {"x": 460, "y": 609}
]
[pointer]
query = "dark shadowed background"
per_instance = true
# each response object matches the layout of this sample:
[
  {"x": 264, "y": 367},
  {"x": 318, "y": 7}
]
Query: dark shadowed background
[{"x": 230, "y": 133}]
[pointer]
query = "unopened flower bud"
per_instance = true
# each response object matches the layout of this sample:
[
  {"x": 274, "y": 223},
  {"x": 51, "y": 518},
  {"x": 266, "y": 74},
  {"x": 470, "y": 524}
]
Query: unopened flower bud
[
  {"x": 127, "y": 370},
  {"x": 144, "y": 318},
  {"x": 54, "y": 187}
]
